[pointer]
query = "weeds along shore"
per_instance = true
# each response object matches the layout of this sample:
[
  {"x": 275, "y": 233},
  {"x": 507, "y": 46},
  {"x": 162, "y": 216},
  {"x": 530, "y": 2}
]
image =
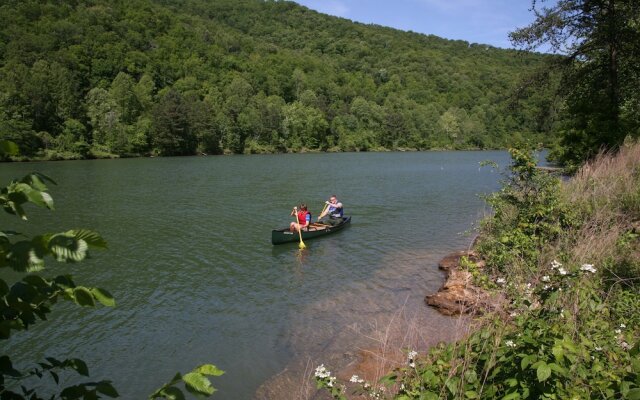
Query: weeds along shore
[{"x": 565, "y": 256}]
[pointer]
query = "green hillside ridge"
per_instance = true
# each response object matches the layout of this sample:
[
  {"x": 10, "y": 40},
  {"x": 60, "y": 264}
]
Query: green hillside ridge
[{"x": 81, "y": 79}]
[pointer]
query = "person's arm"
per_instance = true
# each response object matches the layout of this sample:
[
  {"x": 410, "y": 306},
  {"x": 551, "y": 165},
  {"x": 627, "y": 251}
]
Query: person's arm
[
  {"x": 307, "y": 221},
  {"x": 294, "y": 211}
]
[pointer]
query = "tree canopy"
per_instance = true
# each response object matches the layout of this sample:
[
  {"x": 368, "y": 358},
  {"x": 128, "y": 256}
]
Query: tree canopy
[
  {"x": 90, "y": 78},
  {"x": 600, "y": 73}
]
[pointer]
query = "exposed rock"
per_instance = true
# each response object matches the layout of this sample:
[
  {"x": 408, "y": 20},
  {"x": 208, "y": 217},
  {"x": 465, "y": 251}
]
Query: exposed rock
[{"x": 459, "y": 295}]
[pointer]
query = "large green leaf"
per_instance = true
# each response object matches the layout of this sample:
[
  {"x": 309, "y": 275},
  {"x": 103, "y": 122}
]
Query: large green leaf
[
  {"x": 36, "y": 280},
  {"x": 169, "y": 393},
  {"x": 103, "y": 296},
  {"x": 512, "y": 396},
  {"x": 12, "y": 202},
  {"x": 543, "y": 372},
  {"x": 42, "y": 199},
  {"x": 198, "y": 383},
  {"x": 106, "y": 388},
  {"x": 209, "y": 369},
  {"x": 635, "y": 365},
  {"x": 558, "y": 351},
  {"x": 77, "y": 365},
  {"x": 452, "y": 385},
  {"x": 37, "y": 180},
  {"x": 92, "y": 238},
  {"x": 66, "y": 247},
  {"x": 26, "y": 256},
  {"x": 526, "y": 361},
  {"x": 634, "y": 394},
  {"x": 83, "y": 296}
]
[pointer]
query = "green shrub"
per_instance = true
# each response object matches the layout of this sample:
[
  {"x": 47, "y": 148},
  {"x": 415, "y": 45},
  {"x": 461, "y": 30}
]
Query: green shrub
[{"x": 528, "y": 214}]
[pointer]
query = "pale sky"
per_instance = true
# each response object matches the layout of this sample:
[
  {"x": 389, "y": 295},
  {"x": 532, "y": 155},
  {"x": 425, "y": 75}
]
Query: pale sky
[{"x": 476, "y": 21}]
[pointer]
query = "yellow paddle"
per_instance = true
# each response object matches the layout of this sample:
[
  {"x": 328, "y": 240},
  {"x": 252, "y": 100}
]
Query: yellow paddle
[
  {"x": 325, "y": 207},
  {"x": 301, "y": 245}
]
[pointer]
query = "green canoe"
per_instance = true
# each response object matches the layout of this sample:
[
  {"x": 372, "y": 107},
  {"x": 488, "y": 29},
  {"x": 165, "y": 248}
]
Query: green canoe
[{"x": 279, "y": 236}]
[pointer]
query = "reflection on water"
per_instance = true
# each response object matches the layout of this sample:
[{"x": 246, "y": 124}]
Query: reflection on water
[{"x": 197, "y": 280}]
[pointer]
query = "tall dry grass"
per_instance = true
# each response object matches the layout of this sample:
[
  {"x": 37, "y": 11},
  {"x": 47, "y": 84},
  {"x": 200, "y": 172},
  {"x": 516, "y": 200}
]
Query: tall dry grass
[{"x": 605, "y": 194}]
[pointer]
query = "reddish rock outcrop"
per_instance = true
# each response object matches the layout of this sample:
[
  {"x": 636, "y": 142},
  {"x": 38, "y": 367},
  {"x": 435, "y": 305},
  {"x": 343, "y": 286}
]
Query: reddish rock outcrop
[{"x": 459, "y": 295}]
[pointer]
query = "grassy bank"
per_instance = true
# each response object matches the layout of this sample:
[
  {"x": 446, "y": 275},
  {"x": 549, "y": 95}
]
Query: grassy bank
[{"x": 567, "y": 257}]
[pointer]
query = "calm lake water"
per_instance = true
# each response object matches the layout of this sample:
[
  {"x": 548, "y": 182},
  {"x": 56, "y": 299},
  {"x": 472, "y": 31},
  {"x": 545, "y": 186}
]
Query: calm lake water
[{"x": 197, "y": 280}]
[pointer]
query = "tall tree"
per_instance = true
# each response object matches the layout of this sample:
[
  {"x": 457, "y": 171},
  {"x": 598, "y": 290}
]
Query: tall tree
[
  {"x": 173, "y": 134},
  {"x": 601, "y": 42}
]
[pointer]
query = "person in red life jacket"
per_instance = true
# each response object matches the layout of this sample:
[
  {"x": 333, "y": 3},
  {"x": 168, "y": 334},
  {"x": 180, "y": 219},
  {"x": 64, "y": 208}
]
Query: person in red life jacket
[
  {"x": 303, "y": 216},
  {"x": 333, "y": 210}
]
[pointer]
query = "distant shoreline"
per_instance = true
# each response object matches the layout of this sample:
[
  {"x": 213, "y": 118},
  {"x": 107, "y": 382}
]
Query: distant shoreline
[{"x": 303, "y": 151}]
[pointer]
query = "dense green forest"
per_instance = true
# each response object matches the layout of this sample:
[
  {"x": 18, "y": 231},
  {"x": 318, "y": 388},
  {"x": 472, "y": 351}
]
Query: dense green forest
[{"x": 99, "y": 78}]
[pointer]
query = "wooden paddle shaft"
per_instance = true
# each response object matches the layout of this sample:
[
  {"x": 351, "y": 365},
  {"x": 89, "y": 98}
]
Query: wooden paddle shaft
[
  {"x": 325, "y": 207},
  {"x": 301, "y": 245}
]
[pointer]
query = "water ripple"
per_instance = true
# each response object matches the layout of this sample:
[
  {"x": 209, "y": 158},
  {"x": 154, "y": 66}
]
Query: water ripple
[{"x": 196, "y": 278}]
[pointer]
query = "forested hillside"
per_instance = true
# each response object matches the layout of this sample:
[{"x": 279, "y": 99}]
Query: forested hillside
[{"x": 93, "y": 78}]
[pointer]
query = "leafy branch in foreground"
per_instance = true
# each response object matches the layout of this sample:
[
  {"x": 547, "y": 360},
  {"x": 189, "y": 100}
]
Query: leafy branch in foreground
[
  {"x": 195, "y": 382},
  {"x": 24, "y": 302}
]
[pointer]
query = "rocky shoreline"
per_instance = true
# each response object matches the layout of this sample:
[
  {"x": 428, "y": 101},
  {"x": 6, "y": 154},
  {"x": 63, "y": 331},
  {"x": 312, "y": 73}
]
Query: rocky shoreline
[{"x": 458, "y": 295}]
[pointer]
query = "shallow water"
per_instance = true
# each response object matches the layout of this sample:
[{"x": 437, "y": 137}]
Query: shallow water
[{"x": 197, "y": 280}]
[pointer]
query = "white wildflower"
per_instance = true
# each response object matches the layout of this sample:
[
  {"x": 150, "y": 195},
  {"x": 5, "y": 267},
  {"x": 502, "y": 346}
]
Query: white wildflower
[
  {"x": 588, "y": 268},
  {"x": 625, "y": 345},
  {"x": 546, "y": 287},
  {"x": 501, "y": 281},
  {"x": 555, "y": 264},
  {"x": 513, "y": 314},
  {"x": 562, "y": 271},
  {"x": 509, "y": 343},
  {"x": 322, "y": 372},
  {"x": 618, "y": 331},
  {"x": 546, "y": 278},
  {"x": 622, "y": 326},
  {"x": 332, "y": 380},
  {"x": 411, "y": 357},
  {"x": 598, "y": 348},
  {"x": 356, "y": 379}
]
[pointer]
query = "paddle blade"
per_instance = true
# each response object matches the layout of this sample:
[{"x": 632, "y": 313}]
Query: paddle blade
[{"x": 301, "y": 245}]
